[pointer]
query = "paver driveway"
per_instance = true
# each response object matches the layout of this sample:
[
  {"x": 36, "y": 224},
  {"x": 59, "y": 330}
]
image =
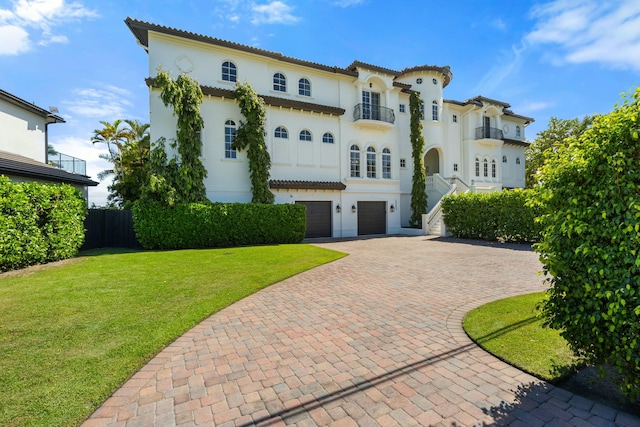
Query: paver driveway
[{"x": 374, "y": 339}]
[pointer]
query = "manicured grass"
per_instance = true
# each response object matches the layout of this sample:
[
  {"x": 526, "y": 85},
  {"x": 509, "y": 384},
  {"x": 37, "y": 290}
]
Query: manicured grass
[
  {"x": 511, "y": 330},
  {"x": 72, "y": 333}
]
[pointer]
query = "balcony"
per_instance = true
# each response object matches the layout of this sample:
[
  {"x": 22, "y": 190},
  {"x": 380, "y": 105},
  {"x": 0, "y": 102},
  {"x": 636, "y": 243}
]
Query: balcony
[
  {"x": 68, "y": 163},
  {"x": 374, "y": 116},
  {"x": 489, "y": 133}
]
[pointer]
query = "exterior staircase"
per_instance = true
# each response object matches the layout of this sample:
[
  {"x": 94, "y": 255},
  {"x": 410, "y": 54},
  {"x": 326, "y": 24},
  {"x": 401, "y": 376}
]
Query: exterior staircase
[{"x": 433, "y": 221}]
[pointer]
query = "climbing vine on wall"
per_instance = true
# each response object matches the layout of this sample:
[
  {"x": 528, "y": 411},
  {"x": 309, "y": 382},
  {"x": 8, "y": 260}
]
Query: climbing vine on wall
[
  {"x": 250, "y": 136},
  {"x": 185, "y": 96},
  {"x": 418, "y": 193}
]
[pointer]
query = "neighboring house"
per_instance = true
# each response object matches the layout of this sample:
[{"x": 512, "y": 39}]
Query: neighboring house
[
  {"x": 339, "y": 138},
  {"x": 24, "y": 146}
]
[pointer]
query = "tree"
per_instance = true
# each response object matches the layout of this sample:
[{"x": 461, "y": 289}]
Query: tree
[
  {"x": 548, "y": 141},
  {"x": 590, "y": 249},
  {"x": 128, "y": 151},
  {"x": 250, "y": 135},
  {"x": 418, "y": 193}
]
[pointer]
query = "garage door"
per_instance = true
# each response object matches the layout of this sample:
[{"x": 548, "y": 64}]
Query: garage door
[
  {"x": 372, "y": 218},
  {"x": 318, "y": 218}
]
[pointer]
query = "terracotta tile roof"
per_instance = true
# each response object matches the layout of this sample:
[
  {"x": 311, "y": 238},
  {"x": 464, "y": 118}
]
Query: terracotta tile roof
[
  {"x": 16, "y": 165},
  {"x": 306, "y": 185},
  {"x": 445, "y": 71},
  {"x": 270, "y": 100}
]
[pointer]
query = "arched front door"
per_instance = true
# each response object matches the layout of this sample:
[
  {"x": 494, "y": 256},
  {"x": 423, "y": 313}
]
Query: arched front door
[{"x": 432, "y": 162}]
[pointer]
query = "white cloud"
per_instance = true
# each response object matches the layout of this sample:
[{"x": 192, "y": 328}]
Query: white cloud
[
  {"x": 510, "y": 63},
  {"x": 108, "y": 103},
  {"x": 275, "y": 12},
  {"x": 529, "y": 107},
  {"x": 36, "y": 19},
  {"x": 590, "y": 31},
  {"x": 348, "y": 3},
  {"x": 13, "y": 40}
]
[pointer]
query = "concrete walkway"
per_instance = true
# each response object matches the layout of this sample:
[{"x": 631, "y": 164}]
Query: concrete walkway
[{"x": 374, "y": 339}]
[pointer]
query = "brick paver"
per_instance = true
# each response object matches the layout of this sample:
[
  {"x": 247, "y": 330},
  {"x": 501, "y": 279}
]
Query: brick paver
[{"x": 372, "y": 339}]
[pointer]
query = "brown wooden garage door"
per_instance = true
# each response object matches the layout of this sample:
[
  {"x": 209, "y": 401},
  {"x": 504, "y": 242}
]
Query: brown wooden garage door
[
  {"x": 372, "y": 218},
  {"x": 318, "y": 218}
]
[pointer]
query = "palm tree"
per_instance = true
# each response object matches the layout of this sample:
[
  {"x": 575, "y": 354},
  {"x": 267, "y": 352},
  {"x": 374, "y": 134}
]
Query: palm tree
[{"x": 113, "y": 136}]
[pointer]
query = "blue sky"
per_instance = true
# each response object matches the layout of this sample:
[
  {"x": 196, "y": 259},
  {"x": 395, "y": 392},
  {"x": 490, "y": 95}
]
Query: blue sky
[{"x": 557, "y": 58}]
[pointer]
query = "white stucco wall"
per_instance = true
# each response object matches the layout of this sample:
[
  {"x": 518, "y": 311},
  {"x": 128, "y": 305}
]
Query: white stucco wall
[{"x": 22, "y": 132}]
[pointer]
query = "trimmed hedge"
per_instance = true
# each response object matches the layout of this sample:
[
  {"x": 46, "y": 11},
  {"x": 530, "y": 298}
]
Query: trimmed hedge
[
  {"x": 39, "y": 223},
  {"x": 503, "y": 216},
  {"x": 207, "y": 225}
]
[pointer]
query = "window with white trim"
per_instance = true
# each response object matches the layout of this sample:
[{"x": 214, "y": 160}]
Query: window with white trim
[
  {"x": 281, "y": 132},
  {"x": 434, "y": 110},
  {"x": 518, "y": 131},
  {"x": 304, "y": 87},
  {"x": 386, "y": 163},
  {"x": 229, "y": 138},
  {"x": 477, "y": 166},
  {"x": 485, "y": 168},
  {"x": 354, "y": 156},
  {"x": 327, "y": 138},
  {"x": 229, "y": 72},
  {"x": 305, "y": 135},
  {"x": 493, "y": 169},
  {"x": 279, "y": 82},
  {"x": 371, "y": 162}
]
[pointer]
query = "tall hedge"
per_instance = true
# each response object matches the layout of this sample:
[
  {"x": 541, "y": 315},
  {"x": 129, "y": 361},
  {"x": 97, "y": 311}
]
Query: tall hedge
[
  {"x": 206, "y": 224},
  {"x": 591, "y": 241},
  {"x": 505, "y": 216},
  {"x": 39, "y": 223}
]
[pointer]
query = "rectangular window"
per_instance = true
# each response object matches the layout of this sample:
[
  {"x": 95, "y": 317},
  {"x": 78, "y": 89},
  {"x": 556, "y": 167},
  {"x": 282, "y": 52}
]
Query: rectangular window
[
  {"x": 455, "y": 119},
  {"x": 403, "y": 163},
  {"x": 455, "y": 167},
  {"x": 371, "y": 165},
  {"x": 370, "y": 105},
  {"x": 355, "y": 164},
  {"x": 402, "y": 108}
]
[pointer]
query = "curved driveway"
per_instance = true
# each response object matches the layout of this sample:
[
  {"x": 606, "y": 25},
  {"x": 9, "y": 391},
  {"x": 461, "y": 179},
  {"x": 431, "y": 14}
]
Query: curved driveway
[{"x": 373, "y": 339}]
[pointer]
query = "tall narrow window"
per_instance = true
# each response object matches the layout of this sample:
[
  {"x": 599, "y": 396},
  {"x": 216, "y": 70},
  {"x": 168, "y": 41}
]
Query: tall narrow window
[
  {"x": 281, "y": 132},
  {"x": 370, "y": 105},
  {"x": 504, "y": 159},
  {"x": 279, "y": 82},
  {"x": 485, "y": 168},
  {"x": 517, "y": 160},
  {"x": 434, "y": 110},
  {"x": 355, "y": 161},
  {"x": 229, "y": 137},
  {"x": 229, "y": 71},
  {"x": 518, "y": 131},
  {"x": 371, "y": 162},
  {"x": 493, "y": 168},
  {"x": 327, "y": 138},
  {"x": 421, "y": 110},
  {"x": 305, "y": 135},
  {"x": 386, "y": 164},
  {"x": 477, "y": 166},
  {"x": 486, "y": 127},
  {"x": 304, "y": 87}
]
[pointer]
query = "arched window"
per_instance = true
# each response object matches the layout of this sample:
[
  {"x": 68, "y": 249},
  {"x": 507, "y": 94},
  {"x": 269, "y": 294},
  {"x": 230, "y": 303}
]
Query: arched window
[
  {"x": 327, "y": 138},
  {"x": 281, "y": 132},
  {"x": 493, "y": 169},
  {"x": 229, "y": 72},
  {"x": 304, "y": 87},
  {"x": 518, "y": 131},
  {"x": 386, "y": 164},
  {"x": 434, "y": 110},
  {"x": 355, "y": 161},
  {"x": 305, "y": 135},
  {"x": 485, "y": 168},
  {"x": 229, "y": 137},
  {"x": 504, "y": 159},
  {"x": 279, "y": 82},
  {"x": 477, "y": 166},
  {"x": 517, "y": 160},
  {"x": 371, "y": 162}
]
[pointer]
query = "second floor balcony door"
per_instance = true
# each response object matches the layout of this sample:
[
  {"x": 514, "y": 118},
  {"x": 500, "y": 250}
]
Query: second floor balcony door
[
  {"x": 370, "y": 105},
  {"x": 487, "y": 127}
]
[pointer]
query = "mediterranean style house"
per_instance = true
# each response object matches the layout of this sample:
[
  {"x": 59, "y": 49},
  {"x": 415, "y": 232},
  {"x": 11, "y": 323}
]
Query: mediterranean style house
[
  {"x": 339, "y": 138},
  {"x": 24, "y": 140}
]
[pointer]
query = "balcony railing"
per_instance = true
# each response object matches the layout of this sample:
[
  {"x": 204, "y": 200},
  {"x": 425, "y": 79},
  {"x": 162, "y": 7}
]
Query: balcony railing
[
  {"x": 487, "y": 132},
  {"x": 371, "y": 112},
  {"x": 68, "y": 163}
]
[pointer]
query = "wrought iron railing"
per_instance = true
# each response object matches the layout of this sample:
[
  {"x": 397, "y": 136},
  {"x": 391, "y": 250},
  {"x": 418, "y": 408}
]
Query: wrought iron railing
[
  {"x": 68, "y": 163},
  {"x": 487, "y": 132},
  {"x": 372, "y": 112}
]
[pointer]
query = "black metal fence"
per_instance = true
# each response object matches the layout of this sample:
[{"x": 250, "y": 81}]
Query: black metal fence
[{"x": 109, "y": 229}]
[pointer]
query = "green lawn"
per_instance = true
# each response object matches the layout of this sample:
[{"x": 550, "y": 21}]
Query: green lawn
[
  {"x": 72, "y": 333},
  {"x": 511, "y": 330}
]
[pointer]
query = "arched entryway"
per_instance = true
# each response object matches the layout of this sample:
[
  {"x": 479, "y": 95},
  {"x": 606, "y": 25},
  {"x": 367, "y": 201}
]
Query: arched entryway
[{"x": 432, "y": 162}]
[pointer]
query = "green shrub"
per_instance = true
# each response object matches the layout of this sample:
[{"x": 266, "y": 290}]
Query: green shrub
[
  {"x": 207, "y": 225},
  {"x": 591, "y": 241},
  {"x": 39, "y": 223},
  {"x": 505, "y": 216}
]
